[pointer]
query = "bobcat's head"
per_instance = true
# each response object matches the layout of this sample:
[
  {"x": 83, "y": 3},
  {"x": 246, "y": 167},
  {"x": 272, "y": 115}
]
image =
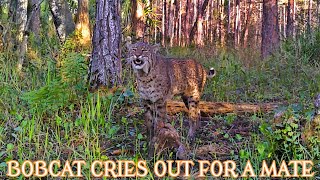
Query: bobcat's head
[{"x": 142, "y": 56}]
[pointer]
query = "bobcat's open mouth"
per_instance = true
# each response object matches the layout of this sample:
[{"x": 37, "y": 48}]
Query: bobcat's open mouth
[{"x": 138, "y": 62}]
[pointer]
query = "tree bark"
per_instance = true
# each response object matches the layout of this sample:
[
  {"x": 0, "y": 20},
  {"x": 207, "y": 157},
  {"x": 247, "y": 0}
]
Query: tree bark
[
  {"x": 21, "y": 21},
  {"x": 309, "y": 16},
  {"x": 247, "y": 24},
  {"x": 138, "y": 24},
  {"x": 237, "y": 23},
  {"x": 171, "y": 22},
  {"x": 318, "y": 11},
  {"x": 25, "y": 35},
  {"x": 164, "y": 23},
  {"x": 21, "y": 18},
  {"x": 35, "y": 21},
  {"x": 82, "y": 22},
  {"x": 199, "y": 17},
  {"x": 290, "y": 18},
  {"x": 189, "y": 10},
  {"x": 270, "y": 28},
  {"x": 105, "y": 64},
  {"x": 62, "y": 18}
]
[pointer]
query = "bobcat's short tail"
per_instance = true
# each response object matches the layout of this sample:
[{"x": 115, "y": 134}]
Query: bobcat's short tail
[{"x": 211, "y": 73}]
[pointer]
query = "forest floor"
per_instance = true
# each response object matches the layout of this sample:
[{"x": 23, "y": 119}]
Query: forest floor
[{"x": 47, "y": 113}]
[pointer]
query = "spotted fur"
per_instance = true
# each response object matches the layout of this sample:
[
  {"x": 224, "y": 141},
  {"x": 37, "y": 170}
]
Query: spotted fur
[{"x": 160, "y": 79}]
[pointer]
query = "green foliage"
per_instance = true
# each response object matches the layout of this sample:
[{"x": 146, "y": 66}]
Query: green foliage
[
  {"x": 64, "y": 85},
  {"x": 285, "y": 135},
  {"x": 305, "y": 48},
  {"x": 49, "y": 98}
]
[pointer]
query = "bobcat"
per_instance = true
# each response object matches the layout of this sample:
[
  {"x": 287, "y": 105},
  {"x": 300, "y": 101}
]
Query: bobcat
[{"x": 159, "y": 79}]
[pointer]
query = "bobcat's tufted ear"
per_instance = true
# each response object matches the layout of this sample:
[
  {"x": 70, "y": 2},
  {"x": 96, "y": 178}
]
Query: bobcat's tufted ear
[
  {"x": 129, "y": 46},
  {"x": 155, "y": 48}
]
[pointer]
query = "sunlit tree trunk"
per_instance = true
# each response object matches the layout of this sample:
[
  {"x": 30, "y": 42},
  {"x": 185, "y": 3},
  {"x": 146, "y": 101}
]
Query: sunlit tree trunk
[
  {"x": 184, "y": 19},
  {"x": 247, "y": 24},
  {"x": 318, "y": 11},
  {"x": 229, "y": 17},
  {"x": 105, "y": 64},
  {"x": 290, "y": 18},
  {"x": 199, "y": 17},
  {"x": 21, "y": 17},
  {"x": 171, "y": 22},
  {"x": 164, "y": 15},
  {"x": 309, "y": 16},
  {"x": 305, "y": 24},
  {"x": 199, "y": 39},
  {"x": 259, "y": 22},
  {"x": 270, "y": 28},
  {"x": 25, "y": 34},
  {"x": 284, "y": 15},
  {"x": 189, "y": 10},
  {"x": 62, "y": 18},
  {"x": 222, "y": 23},
  {"x": 180, "y": 23},
  {"x": 21, "y": 21},
  {"x": 82, "y": 22},
  {"x": 237, "y": 23},
  {"x": 210, "y": 24},
  {"x": 138, "y": 22},
  {"x": 177, "y": 22},
  {"x": 217, "y": 24}
]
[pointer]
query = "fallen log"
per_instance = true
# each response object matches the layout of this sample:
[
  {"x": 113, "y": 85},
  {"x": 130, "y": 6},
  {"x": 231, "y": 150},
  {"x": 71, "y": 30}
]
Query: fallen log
[{"x": 210, "y": 108}]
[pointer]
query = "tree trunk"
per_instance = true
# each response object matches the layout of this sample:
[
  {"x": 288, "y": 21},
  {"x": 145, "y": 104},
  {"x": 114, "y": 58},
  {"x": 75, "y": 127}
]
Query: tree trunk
[
  {"x": 138, "y": 24},
  {"x": 309, "y": 17},
  {"x": 199, "y": 16},
  {"x": 222, "y": 24},
  {"x": 82, "y": 22},
  {"x": 21, "y": 21},
  {"x": 171, "y": 21},
  {"x": 21, "y": 18},
  {"x": 35, "y": 21},
  {"x": 270, "y": 28},
  {"x": 237, "y": 22},
  {"x": 164, "y": 15},
  {"x": 25, "y": 34},
  {"x": 105, "y": 64},
  {"x": 179, "y": 34},
  {"x": 290, "y": 18},
  {"x": 189, "y": 10},
  {"x": 199, "y": 39},
  {"x": 62, "y": 18},
  {"x": 247, "y": 24},
  {"x": 318, "y": 12}
]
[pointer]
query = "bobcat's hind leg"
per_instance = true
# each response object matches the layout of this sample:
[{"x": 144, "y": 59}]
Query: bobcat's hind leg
[{"x": 194, "y": 116}]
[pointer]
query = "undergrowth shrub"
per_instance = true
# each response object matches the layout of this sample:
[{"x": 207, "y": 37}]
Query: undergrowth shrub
[
  {"x": 65, "y": 84},
  {"x": 284, "y": 134},
  {"x": 306, "y": 48}
]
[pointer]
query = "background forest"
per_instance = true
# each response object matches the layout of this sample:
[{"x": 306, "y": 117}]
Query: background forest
[{"x": 51, "y": 106}]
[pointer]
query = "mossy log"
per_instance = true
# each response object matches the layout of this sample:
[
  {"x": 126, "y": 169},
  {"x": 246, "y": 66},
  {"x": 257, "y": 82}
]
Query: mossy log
[{"x": 211, "y": 108}]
